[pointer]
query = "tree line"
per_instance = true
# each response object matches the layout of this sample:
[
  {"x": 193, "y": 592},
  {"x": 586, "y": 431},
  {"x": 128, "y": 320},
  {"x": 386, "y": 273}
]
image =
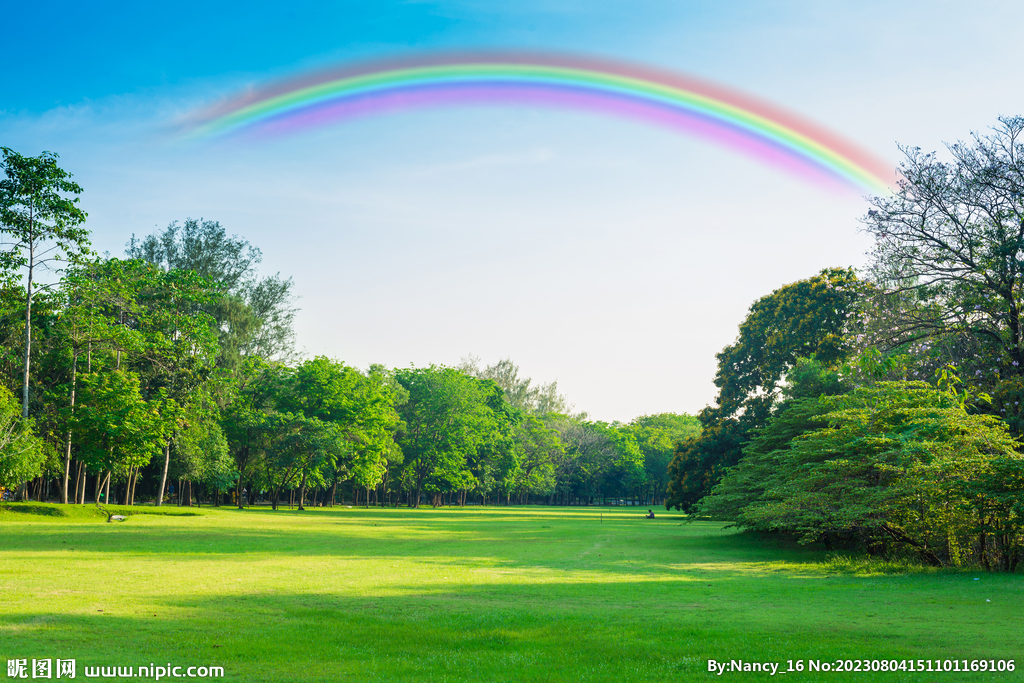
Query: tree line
[
  {"x": 883, "y": 411},
  {"x": 169, "y": 374}
]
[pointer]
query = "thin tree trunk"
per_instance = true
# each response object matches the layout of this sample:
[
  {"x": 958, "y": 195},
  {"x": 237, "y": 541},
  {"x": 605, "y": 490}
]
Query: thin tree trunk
[
  {"x": 163, "y": 477},
  {"x": 302, "y": 491},
  {"x": 81, "y": 485},
  {"x": 78, "y": 482},
  {"x": 129, "y": 495},
  {"x": 67, "y": 451},
  {"x": 28, "y": 306},
  {"x": 78, "y": 474}
]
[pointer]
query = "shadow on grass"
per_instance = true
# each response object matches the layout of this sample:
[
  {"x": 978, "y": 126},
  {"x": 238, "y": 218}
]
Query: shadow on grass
[{"x": 89, "y": 512}]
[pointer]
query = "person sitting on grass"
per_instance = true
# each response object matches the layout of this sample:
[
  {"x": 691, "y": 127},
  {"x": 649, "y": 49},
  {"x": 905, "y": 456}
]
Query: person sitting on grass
[{"x": 650, "y": 515}]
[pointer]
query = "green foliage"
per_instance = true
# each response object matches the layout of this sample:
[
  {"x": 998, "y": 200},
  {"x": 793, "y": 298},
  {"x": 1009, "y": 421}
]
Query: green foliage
[
  {"x": 947, "y": 261},
  {"x": 899, "y": 464},
  {"x": 35, "y": 211},
  {"x": 254, "y": 316},
  {"x": 448, "y": 417},
  {"x": 201, "y": 449},
  {"x": 298, "y": 446},
  {"x": 22, "y": 454},
  {"x": 114, "y": 427},
  {"x": 248, "y": 416},
  {"x": 657, "y": 437},
  {"x": 360, "y": 406},
  {"x": 700, "y": 461},
  {"x": 538, "y": 448},
  {"x": 34, "y": 207},
  {"x": 809, "y": 318},
  {"x": 520, "y": 392}
]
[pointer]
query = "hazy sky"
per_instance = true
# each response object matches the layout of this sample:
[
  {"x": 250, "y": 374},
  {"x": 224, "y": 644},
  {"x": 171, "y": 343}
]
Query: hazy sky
[{"x": 610, "y": 256}]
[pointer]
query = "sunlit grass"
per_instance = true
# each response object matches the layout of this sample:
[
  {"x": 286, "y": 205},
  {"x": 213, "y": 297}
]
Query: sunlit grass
[{"x": 491, "y": 594}]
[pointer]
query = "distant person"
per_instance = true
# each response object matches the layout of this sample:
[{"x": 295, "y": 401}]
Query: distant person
[{"x": 650, "y": 515}]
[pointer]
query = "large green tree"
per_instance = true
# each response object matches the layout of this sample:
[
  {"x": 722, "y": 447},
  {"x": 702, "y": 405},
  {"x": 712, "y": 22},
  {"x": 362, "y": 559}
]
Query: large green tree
[
  {"x": 900, "y": 464},
  {"x": 813, "y": 317},
  {"x": 521, "y": 392},
  {"x": 97, "y": 299},
  {"x": 249, "y": 416},
  {"x": 254, "y": 315},
  {"x": 360, "y": 406},
  {"x": 447, "y": 418},
  {"x": 41, "y": 222},
  {"x": 949, "y": 263},
  {"x": 117, "y": 430}
]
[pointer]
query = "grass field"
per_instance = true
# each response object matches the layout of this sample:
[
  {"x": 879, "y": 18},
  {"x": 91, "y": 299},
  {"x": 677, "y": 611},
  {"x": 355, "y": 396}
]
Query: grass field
[{"x": 492, "y": 594}]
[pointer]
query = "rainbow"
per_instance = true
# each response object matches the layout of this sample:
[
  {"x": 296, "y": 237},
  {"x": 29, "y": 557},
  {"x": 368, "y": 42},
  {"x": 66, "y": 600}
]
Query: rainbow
[{"x": 680, "y": 102}]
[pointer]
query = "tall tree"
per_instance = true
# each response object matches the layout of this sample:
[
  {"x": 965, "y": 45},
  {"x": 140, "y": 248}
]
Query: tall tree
[
  {"x": 95, "y": 298},
  {"x": 42, "y": 224},
  {"x": 249, "y": 416},
  {"x": 813, "y": 317},
  {"x": 949, "y": 261},
  {"x": 447, "y": 417},
  {"x": 255, "y": 315},
  {"x": 520, "y": 392},
  {"x": 360, "y": 407}
]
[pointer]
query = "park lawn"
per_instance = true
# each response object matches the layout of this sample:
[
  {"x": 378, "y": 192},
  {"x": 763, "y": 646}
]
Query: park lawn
[{"x": 475, "y": 594}]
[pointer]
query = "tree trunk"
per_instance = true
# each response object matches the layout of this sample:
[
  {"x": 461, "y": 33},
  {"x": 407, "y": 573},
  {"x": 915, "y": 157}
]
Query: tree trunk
[
  {"x": 78, "y": 475},
  {"x": 163, "y": 477},
  {"x": 67, "y": 451},
  {"x": 133, "y": 474},
  {"x": 186, "y": 493},
  {"x": 28, "y": 306},
  {"x": 238, "y": 494},
  {"x": 302, "y": 490},
  {"x": 80, "y": 494}
]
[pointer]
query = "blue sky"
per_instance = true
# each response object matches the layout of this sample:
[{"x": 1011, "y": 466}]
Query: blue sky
[{"x": 613, "y": 257}]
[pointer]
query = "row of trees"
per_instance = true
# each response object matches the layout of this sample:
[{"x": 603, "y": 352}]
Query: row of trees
[
  {"x": 885, "y": 412},
  {"x": 172, "y": 371}
]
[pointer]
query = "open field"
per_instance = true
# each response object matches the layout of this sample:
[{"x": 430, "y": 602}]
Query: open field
[{"x": 492, "y": 594}]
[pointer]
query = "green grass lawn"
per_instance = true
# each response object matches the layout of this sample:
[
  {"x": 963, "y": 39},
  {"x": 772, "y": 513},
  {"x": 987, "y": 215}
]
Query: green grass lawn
[{"x": 491, "y": 594}]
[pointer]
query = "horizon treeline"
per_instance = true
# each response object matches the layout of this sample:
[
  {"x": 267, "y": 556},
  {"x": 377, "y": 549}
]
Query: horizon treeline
[{"x": 171, "y": 375}]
